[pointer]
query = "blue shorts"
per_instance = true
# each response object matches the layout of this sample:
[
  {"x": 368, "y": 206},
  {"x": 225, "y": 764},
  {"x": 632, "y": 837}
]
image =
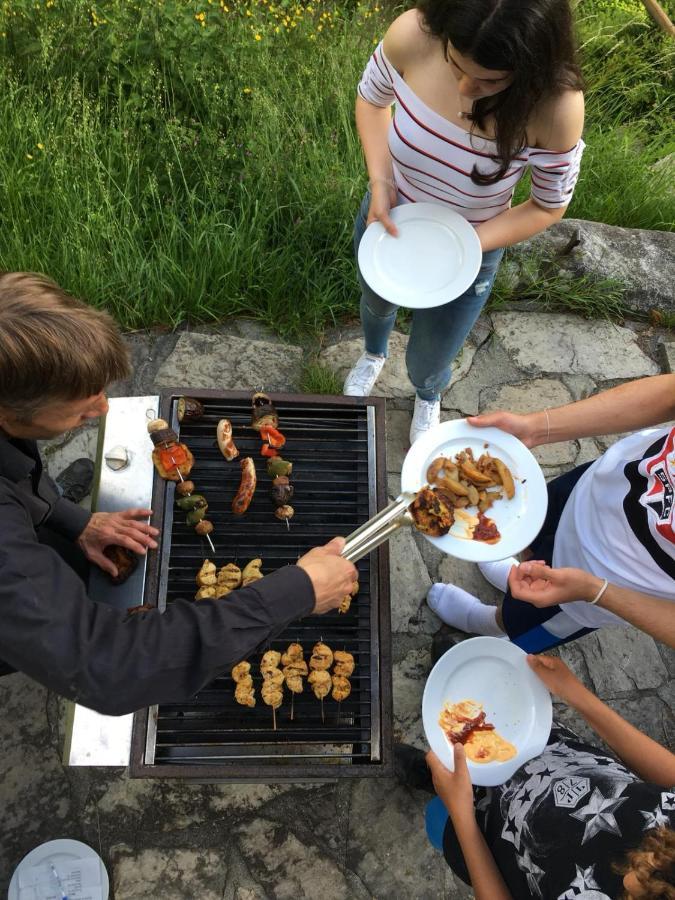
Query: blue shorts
[{"x": 529, "y": 627}]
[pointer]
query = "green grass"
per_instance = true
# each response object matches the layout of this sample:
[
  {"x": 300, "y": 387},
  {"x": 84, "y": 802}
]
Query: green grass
[
  {"x": 555, "y": 291},
  {"x": 174, "y": 168},
  {"x": 317, "y": 379}
]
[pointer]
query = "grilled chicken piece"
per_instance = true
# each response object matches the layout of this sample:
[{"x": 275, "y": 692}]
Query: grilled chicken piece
[
  {"x": 293, "y": 680},
  {"x": 274, "y": 677},
  {"x": 321, "y": 658},
  {"x": 272, "y": 694},
  {"x": 321, "y": 683},
  {"x": 206, "y": 593},
  {"x": 206, "y": 577},
  {"x": 347, "y": 599},
  {"x": 241, "y": 670},
  {"x": 244, "y": 693},
  {"x": 293, "y": 652},
  {"x": 341, "y": 688},
  {"x": 344, "y": 663},
  {"x": 433, "y": 515},
  {"x": 251, "y": 572},
  {"x": 270, "y": 660}
]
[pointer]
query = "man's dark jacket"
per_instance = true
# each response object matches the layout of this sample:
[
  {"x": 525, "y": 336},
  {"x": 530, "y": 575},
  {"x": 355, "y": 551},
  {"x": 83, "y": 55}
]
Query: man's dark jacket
[{"x": 93, "y": 653}]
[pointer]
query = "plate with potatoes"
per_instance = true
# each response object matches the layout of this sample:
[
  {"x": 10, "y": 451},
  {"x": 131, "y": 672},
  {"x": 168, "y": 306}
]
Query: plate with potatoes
[{"x": 480, "y": 494}]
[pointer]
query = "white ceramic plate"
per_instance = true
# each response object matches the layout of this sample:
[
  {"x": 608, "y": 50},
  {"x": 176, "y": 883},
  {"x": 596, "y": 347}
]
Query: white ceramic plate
[
  {"x": 519, "y": 520},
  {"x": 495, "y": 673},
  {"x": 60, "y": 853},
  {"x": 434, "y": 259}
]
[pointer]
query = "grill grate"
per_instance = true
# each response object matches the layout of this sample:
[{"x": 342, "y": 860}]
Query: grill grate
[{"x": 336, "y": 448}]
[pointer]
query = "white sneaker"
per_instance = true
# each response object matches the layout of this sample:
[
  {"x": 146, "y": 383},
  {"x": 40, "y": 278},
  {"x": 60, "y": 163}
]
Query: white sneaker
[
  {"x": 426, "y": 415},
  {"x": 361, "y": 380},
  {"x": 497, "y": 573}
]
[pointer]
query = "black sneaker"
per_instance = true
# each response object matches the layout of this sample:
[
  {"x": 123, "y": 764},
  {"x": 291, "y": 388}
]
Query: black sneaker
[
  {"x": 411, "y": 769},
  {"x": 75, "y": 481},
  {"x": 443, "y": 640}
]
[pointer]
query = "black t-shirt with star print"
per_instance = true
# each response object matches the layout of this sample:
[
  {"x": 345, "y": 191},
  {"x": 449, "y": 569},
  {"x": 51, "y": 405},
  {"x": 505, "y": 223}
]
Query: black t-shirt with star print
[{"x": 559, "y": 824}]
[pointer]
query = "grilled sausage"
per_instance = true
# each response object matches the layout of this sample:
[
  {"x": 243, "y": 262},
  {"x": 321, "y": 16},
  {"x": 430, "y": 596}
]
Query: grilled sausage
[
  {"x": 225, "y": 442},
  {"x": 244, "y": 495}
]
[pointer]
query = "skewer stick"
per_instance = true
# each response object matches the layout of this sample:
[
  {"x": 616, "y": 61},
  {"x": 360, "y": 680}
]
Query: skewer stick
[
  {"x": 292, "y": 703},
  {"x": 207, "y": 536},
  {"x": 323, "y": 720},
  {"x": 274, "y": 718},
  {"x": 288, "y": 527}
]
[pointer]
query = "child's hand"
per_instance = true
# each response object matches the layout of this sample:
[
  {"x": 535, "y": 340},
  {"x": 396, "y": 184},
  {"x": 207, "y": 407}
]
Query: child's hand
[
  {"x": 557, "y": 677},
  {"x": 454, "y": 788},
  {"x": 539, "y": 584}
]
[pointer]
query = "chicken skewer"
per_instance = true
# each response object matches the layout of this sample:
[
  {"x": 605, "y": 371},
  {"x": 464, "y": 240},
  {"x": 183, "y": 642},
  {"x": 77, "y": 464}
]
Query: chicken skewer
[
  {"x": 320, "y": 661},
  {"x": 294, "y": 669},
  {"x": 272, "y": 690},
  {"x": 244, "y": 692},
  {"x": 343, "y": 668}
]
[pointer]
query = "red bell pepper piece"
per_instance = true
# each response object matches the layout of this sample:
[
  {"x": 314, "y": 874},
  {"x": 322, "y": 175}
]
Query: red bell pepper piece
[
  {"x": 268, "y": 451},
  {"x": 273, "y": 436}
]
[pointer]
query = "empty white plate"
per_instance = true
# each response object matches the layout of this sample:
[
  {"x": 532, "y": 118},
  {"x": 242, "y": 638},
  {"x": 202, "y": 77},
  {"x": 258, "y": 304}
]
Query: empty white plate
[
  {"x": 65, "y": 855},
  {"x": 495, "y": 673},
  {"x": 434, "y": 259}
]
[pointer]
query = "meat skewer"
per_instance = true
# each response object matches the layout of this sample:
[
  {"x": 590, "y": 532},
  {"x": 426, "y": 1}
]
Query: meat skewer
[
  {"x": 294, "y": 669},
  {"x": 244, "y": 692},
  {"x": 272, "y": 690},
  {"x": 320, "y": 661},
  {"x": 343, "y": 668}
]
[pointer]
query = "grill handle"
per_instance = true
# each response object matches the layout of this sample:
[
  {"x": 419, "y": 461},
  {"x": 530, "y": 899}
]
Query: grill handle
[{"x": 378, "y": 529}]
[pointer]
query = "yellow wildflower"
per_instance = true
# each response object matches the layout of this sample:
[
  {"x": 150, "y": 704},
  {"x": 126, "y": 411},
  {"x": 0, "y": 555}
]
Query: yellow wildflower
[
  {"x": 28, "y": 156},
  {"x": 258, "y": 37},
  {"x": 40, "y": 146},
  {"x": 247, "y": 90}
]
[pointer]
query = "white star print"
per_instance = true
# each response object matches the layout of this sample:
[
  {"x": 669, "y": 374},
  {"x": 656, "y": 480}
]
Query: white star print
[
  {"x": 598, "y": 814},
  {"x": 654, "y": 819},
  {"x": 584, "y": 881}
]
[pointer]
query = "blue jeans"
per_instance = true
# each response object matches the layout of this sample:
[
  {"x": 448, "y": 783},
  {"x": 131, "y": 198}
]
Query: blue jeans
[{"x": 436, "y": 334}]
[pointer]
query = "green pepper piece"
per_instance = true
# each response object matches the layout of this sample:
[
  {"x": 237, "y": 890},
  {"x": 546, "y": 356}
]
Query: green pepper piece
[
  {"x": 193, "y": 501},
  {"x": 195, "y": 515},
  {"x": 278, "y": 466}
]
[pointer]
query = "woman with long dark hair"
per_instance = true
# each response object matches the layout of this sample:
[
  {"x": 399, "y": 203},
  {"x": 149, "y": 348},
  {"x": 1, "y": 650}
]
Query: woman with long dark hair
[{"x": 481, "y": 90}]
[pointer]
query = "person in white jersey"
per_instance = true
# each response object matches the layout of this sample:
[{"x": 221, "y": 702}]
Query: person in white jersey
[
  {"x": 481, "y": 91},
  {"x": 606, "y": 552}
]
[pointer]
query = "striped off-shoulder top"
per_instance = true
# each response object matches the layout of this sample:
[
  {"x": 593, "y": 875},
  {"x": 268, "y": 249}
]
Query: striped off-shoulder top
[{"x": 433, "y": 158}]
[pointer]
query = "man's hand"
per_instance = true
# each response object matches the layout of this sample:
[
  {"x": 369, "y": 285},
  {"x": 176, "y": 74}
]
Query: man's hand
[
  {"x": 454, "y": 788},
  {"x": 530, "y": 429},
  {"x": 539, "y": 584},
  {"x": 332, "y": 576},
  {"x": 121, "y": 528},
  {"x": 557, "y": 678}
]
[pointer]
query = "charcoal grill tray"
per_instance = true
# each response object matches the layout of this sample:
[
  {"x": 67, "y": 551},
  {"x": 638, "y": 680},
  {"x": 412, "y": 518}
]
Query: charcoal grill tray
[{"x": 337, "y": 446}]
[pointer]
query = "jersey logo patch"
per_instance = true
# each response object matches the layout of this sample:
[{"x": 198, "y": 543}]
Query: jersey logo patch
[
  {"x": 650, "y": 501},
  {"x": 569, "y": 791}
]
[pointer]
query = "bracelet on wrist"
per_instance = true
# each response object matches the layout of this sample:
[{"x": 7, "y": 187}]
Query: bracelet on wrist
[{"x": 600, "y": 594}]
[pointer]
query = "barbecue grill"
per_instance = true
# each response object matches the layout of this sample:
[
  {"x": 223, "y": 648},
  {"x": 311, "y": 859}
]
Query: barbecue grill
[{"x": 336, "y": 445}]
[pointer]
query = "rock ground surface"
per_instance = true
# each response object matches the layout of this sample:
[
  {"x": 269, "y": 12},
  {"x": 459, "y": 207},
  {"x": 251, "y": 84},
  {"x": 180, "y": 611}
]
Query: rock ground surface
[{"x": 164, "y": 839}]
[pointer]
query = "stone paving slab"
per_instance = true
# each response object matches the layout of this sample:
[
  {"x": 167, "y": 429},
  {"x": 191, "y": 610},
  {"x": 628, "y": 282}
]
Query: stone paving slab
[
  {"x": 226, "y": 362},
  {"x": 561, "y": 343},
  {"x": 162, "y": 838}
]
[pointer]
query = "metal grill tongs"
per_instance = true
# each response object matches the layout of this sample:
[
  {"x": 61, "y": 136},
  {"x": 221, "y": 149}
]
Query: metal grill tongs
[{"x": 379, "y": 528}]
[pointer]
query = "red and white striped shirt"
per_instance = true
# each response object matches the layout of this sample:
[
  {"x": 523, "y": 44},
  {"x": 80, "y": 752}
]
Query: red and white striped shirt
[{"x": 433, "y": 158}]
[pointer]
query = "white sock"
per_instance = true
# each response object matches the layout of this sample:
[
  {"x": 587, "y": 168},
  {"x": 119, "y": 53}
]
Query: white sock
[
  {"x": 462, "y": 610},
  {"x": 497, "y": 573}
]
